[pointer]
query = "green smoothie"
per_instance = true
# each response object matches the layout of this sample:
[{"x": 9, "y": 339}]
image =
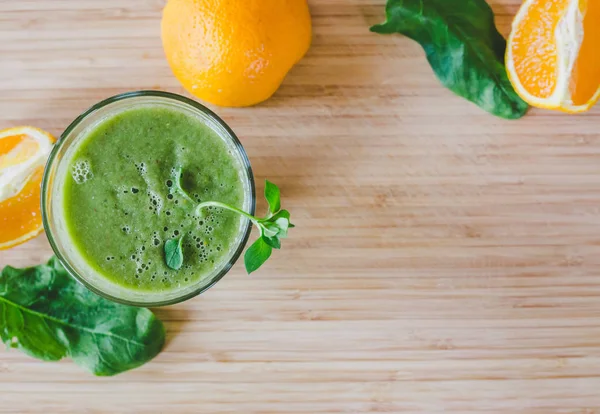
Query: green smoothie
[{"x": 120, "y": 204}]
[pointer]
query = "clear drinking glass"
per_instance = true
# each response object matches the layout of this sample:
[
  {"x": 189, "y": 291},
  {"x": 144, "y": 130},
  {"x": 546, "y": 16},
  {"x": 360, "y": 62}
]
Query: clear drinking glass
[{"x": 57, "y": 168}]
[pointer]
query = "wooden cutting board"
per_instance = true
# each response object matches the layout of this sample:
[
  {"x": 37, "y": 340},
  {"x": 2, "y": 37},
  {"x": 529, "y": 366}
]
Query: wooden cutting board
[{"x": 444, "y": 259}]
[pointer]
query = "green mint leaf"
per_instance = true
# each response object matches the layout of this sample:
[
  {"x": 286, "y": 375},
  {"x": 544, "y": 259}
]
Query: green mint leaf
[
  {"x": 463, "y": 47},
  {"x": 283, "y": 214},
  {"x": 269, "y": 229},
  {"x": 257, "y": 255},
  {"x": 283, "y": 224},
  {"x": 273, "y": 196},
  {"x": 48, "y": 315},
  {"x": 274, "y": 242},
  {"x": 174, "y": 253}
]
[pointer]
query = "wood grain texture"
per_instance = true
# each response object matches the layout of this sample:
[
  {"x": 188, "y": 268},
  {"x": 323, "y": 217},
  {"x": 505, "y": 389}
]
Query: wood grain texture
[{"x": 444, "y": 260}]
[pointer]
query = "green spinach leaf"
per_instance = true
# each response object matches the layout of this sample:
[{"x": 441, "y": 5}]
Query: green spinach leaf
[
  {"x": 49, "y": 316},
  {"x": 463, "y": 47}
]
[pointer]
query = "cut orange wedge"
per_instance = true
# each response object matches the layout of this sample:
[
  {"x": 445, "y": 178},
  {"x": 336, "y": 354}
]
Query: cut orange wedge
[
  {"x": 23, "y": 154},
  {"x": 553, "y": 54}
]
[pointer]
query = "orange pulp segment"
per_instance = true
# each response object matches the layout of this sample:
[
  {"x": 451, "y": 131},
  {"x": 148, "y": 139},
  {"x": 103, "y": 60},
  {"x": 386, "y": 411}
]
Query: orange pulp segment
[
  {"x": 585, "y": 80},
  {"x": 20, "y": 217},
  {"x": 23, "y": 153},
  {"x": 552, "y": 54}
]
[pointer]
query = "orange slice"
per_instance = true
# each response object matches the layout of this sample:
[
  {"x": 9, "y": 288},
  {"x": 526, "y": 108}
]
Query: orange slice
[
  {"x": 23, "y": 153},
  {"x": 553, "y": 58}
]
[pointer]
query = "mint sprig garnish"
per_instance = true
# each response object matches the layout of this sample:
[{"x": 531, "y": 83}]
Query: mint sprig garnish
[{"x": 273, "y": 227}]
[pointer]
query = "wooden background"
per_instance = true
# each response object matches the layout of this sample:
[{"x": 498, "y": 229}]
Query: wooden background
[{"x": 444, "y": 259}]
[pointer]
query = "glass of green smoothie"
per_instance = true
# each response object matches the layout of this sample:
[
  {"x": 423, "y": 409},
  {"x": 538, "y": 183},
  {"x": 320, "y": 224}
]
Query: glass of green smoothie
[{"x": 110, "y": 199}]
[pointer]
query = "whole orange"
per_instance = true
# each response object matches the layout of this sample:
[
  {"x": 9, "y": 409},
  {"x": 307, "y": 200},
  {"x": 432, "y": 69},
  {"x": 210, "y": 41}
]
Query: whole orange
[{"x": 234, "y": 52}]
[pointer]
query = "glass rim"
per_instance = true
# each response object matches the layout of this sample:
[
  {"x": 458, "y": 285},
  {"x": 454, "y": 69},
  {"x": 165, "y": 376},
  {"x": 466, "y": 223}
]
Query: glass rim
[{"x": 46, "y": 190}]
